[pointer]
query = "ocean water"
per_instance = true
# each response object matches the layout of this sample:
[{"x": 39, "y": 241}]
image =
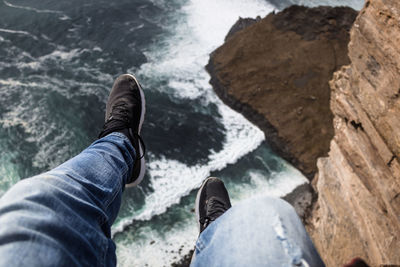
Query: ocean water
[{"x": 58, "y": 60}]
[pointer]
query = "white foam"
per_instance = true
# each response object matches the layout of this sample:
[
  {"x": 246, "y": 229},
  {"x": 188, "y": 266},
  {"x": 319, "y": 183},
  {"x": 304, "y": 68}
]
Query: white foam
[
  {"x": 19, "y": 32},
  {"x": 14, "y": 83},
  {"x": 157, "y": 249},
  {"x": 35, "y": 119},
  {"x": 8, "y": 173},
  {"x": 63, "y": 55},
  {"x": 211, "y": 20},
  {"x": 279, "y": 184},
  {"x": 356, "y": 4},
  {"x": 63, "y": 17}
]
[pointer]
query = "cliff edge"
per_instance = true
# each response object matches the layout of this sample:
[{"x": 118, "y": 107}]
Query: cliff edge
[
  {"x": 358, "y": 208},
  {"x": 276, "y": 72}
]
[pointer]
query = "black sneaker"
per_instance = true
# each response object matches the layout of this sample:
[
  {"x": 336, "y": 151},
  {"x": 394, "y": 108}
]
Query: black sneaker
[
  {"x": 211, "y": 202},
  {"x": 125, "y": 111}
]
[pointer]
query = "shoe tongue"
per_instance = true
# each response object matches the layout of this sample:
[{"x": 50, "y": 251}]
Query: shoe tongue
[{"x": 215, "y": 208}]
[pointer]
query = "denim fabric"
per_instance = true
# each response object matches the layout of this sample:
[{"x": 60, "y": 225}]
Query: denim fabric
[
  {"x": 256, "y": 232},
  {"x": 63, "y": 217}
]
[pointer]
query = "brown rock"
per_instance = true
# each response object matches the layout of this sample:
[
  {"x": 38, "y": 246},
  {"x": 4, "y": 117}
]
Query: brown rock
[
  {"x": 358, "y": 208},
  {"x": 301, "y": 199},
  {"x": 276, "y": 73}
]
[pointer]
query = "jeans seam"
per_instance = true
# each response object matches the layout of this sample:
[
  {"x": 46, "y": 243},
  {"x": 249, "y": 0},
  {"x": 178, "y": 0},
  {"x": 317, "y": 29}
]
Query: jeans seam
[
  {"x": 104, "y": 252},
  {"x": 104, "y": 219},
  {"x": 115, "y": 193},
  {"x": 107, "y": 204},
  {"x": 199, "y": 244}
]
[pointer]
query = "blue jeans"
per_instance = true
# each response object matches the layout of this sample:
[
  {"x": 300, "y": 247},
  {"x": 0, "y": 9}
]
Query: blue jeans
[
  {"x": 63, "y": 217},
  {"x": 256, "y": 232}
]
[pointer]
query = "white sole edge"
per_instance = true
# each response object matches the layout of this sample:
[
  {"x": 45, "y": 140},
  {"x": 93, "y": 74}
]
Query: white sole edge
[
  {"x": 196, "y": 208},
  {"x": 142, "y": 160}
]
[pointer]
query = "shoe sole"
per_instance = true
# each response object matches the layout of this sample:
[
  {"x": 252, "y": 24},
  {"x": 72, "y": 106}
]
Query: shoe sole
[
  {"x": 142, "y": 160},
  {"x": 196, "y": 208}
]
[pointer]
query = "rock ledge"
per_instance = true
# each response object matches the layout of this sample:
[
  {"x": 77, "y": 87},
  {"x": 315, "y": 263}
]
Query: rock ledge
[{"x": 276, "y": 73}]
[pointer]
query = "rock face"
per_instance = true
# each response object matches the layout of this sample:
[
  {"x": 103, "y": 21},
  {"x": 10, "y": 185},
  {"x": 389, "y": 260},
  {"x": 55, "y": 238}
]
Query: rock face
[
  {"x": 276, "y": 73},
  {"x": 358, "y": 207}
]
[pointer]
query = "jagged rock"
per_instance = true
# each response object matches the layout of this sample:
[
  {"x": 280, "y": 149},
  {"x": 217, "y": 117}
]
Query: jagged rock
[
  {"x": 301, "y": 199},
  {"x": 358, "y": 207},
  {"x": 241, "y": 24},
  {"x": 276, "y": 73}
]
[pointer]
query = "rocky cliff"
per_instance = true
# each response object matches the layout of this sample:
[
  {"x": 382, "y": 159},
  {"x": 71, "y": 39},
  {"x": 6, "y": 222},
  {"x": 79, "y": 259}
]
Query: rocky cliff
[
  {"x": 358, "y": 208},
  {"x": 276, "y": 73}
]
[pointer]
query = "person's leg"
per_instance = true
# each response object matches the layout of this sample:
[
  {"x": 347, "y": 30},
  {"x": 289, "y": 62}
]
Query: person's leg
[
  {"x": 256, "y": 232},
  {"x": 64, "y": 217}
]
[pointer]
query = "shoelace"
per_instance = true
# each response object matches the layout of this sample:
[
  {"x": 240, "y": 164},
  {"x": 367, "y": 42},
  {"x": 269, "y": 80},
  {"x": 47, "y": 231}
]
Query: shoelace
[
  {"x": 142, "y": 143},
  {"x": 215, "y": 208},
  {"x": 120, "y": 110}
]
